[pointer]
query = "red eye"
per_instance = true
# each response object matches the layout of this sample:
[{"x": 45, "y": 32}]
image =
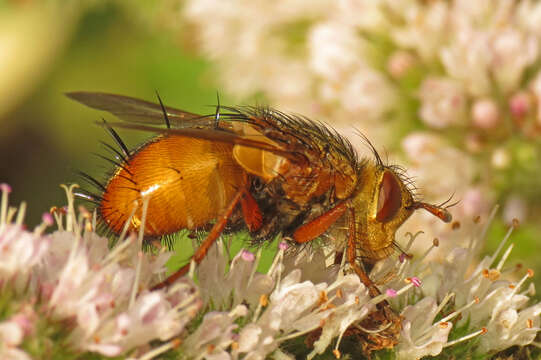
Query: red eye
[{"x": 389, "y": 197}]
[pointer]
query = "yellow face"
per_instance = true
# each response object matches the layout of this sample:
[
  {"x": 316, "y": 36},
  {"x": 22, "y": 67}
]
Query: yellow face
[{"x": 382, "y": 203}]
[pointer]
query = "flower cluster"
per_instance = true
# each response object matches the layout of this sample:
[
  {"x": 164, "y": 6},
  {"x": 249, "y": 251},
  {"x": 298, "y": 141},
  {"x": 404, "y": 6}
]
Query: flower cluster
[
  {"x": 480, "y": 294},
  {"x": 70, "y": 285},
  {"x": 457, "y": 81}
]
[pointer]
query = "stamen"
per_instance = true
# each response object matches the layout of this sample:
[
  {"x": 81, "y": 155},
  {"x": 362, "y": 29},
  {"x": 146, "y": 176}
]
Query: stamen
[
  {"x": 457, "y": 312},
  {"x": 263, "y": 302},
  {"x": 20, "y": 214},
  {"x": 517, "y": 286},
  {"x": 467, "y": 337},
  {"x": 435, "y": 244},
  {"x": 128, "y": 222},
  {"x": 377, "y": 299},
  {"x": 504, "y": 257},
  {"x": 414, "y": 280},
  {"x": 135, "y": 288},
  {"x": 161, "y": 349},
  {"x": 255, "y": 265},
  {"x": 412, "y": 238},
  {"x": 70, "y": 216},
  {"x": 46, "y": 220},
  {"x": 115, "y": 254},
  {"x": 370, "y": 331},
  {"x": 500, "y": 246},
  {"x": 11, "y": 213},
  {"x": 6, "y": 189},
  {"x": 57, "y": 213},
  {"x": 191, "y": 272},
  {"x": 444, "y": 302}
]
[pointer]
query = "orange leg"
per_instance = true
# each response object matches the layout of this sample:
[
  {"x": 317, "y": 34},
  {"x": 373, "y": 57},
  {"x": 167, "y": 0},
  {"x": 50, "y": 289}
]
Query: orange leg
[
  {"x": 201, "y": 252},
  {"x": 352, "y": 255},
  {"x": 319, "y": 225},
  {"x": 251, "y": 212}
]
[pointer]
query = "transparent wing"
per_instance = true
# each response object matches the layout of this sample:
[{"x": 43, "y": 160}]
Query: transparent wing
[{"x": 140, "y": 111}]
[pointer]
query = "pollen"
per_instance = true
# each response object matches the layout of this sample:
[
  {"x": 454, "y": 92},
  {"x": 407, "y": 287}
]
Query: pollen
[
  {"x": 493, "y": 274},
  {"x": 263, "y": 300},
  {"x": 323, "y": 297},
  {"x": 444, "y": 324},
  {"x": 177, "y": 342}
]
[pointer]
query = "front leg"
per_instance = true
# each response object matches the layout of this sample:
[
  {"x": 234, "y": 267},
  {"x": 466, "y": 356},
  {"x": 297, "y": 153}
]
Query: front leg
[
  {"x": 384, "y": 324},
  {"x": 352, "y": 254}
]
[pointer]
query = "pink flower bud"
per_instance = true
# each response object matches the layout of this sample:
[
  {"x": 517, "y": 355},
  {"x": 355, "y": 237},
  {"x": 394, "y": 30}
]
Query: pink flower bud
[
  {"x": 399, "y": 63},
  {"x": 485, "y": 114},
  {"x": 5, "y": 188},
  {"x": 520, "y": 104},
  {"x": 247, "y": 256},
  {"x": 416, "y": 281},
  {"x": 47, "y": 219}
]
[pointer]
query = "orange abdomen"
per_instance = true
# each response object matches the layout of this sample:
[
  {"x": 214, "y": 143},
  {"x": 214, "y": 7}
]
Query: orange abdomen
[{"x": 189, "y": 182}]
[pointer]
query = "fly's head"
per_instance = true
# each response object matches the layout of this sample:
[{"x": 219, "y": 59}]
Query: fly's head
[{"x": 383, "y": 202}]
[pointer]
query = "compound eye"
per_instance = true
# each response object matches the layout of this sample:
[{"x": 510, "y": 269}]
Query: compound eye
[{"x": 389, "y": 197}]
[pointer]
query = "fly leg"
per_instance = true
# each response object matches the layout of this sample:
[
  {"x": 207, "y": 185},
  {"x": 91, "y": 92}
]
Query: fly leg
[
  {"x": 385, "y": 321},
  {"x": 352, "y": 255},
  {"x": 213, "y": 235},
  {"x": 319, "y": 225}
]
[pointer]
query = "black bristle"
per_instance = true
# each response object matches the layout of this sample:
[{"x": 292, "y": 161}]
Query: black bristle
[
  {"x": 91, "y": 180},
  {"x": 116, "y": 163},
  {"x": 165, "y": 117},
  {"x": 115, "y": 151},
  {"x": 117, "y": 139}
]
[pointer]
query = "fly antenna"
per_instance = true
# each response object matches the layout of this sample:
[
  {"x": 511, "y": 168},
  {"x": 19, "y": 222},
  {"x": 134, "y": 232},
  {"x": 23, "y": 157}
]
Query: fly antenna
[{"x": 435, "y": 210}]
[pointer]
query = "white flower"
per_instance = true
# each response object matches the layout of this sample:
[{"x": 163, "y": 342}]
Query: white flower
[
  {"x": 240, "y": 283},
  {"x": 425, "y": 30},
  {"x": 420, "y": 336},
  {"x": 334, "y": 49},
  {"x": 443, "y": 102},
  {"x": 510, "y": 327},
  {"x": 214, "y": 336},
  {"x": 20, "y": 251},
  {"x": 154, "y": 315}
]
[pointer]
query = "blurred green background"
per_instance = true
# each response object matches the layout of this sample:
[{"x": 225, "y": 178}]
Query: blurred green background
[{"x": 45, "y": 138}]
